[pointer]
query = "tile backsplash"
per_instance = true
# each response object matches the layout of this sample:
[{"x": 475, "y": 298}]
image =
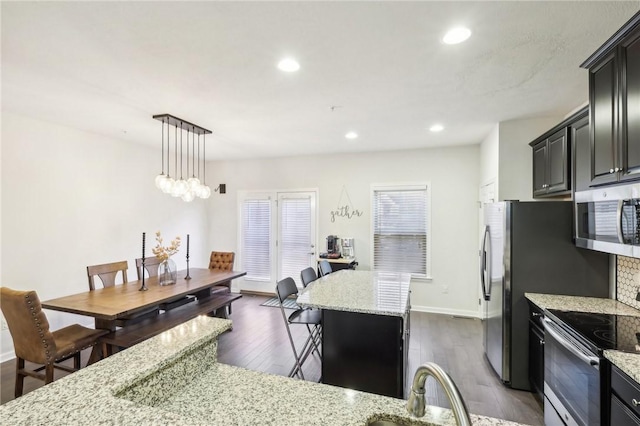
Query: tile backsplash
[{"x": 628, "y": 280}]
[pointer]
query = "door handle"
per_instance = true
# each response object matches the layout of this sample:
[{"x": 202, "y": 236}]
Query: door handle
[
  {"x": 312, "y": 253},
  {"x": 619, "y": 221}
]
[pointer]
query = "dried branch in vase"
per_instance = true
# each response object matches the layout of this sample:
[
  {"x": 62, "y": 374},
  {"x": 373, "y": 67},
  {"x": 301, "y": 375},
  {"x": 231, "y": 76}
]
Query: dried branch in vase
[{"x": 164, "y": 253}]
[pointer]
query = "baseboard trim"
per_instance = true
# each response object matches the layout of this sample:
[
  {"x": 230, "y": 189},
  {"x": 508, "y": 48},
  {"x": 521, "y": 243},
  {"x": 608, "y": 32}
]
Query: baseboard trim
[
  {"x": 7, "y": 356},
  {"x": 453, "y": 312},
  {"x": 257, "y": 293}
]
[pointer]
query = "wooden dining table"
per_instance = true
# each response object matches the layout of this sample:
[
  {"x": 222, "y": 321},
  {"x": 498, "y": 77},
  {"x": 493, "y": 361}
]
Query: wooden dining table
[{"x": 111, "y": 303}]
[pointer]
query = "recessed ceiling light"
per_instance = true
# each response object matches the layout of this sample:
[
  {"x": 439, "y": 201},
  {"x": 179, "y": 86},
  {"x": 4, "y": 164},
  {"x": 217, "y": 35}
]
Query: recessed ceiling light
[
  {"x": 436, "y": 128},
  {"x": 288, "y": 65},
  {"x": 456, "y": 35},
  {"x": 351, "y": 135}
]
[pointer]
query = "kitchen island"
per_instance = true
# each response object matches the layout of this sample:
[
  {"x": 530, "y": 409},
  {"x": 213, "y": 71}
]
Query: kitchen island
[
  {"x": 174, "y": 379},
  {"x": 365, "y": 329}
]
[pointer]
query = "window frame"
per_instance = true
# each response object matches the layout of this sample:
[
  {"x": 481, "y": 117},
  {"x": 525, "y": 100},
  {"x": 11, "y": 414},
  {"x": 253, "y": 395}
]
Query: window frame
[{"x": 426, "y": 186}]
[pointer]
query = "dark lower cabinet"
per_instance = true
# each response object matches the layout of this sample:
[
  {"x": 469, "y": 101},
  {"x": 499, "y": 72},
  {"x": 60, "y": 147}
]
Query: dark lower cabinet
[
  {"x": 365, "y": 352},
  {"x": 625, "y": 399},
  {"x": 536, "y": 351}
]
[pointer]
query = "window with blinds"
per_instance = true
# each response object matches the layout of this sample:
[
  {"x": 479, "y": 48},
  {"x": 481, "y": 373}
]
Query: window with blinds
[
  {"x": 256, "y": 239},
  {"x": 400, "y": 230},
  {"x": 295, "y": 243}
]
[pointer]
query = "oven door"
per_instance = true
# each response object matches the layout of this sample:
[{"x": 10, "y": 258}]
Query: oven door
[{"x": 571, "y": 377}]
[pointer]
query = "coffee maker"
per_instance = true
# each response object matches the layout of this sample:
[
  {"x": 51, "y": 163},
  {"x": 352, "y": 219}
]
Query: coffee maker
[
  {"x": 347, "y": 248},
  {"x": 333, "y": 244}
]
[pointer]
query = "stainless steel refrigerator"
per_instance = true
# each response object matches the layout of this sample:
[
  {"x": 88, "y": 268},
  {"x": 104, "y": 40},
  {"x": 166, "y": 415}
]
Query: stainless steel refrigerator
[{"x": 528, "y": 247}]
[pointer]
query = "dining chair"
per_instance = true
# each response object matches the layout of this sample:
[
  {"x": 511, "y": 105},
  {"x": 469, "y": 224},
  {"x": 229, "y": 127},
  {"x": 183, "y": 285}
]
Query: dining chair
[
  {"x": 34, "y": 342},
  {"x": 311, "y": 318},
  {"x": 222, "y": 261},
  {"x": 307, "y": 276},
  {"x": 107, "y": 272},
  {"x": 325, "y": 268}
]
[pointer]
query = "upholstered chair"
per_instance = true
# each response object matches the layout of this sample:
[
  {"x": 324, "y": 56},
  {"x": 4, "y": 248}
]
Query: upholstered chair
[{"x": 34, "y": 342}]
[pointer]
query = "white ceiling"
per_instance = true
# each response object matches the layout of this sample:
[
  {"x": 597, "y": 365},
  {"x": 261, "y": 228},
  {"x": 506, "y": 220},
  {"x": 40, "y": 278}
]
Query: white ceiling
[{"x": 107, "y": 67}]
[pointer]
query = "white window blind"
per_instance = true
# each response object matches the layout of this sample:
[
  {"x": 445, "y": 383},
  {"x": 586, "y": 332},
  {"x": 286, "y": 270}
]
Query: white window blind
[
  {"x": 295, "y": 237},
  {"x": 256, "y": 239},
  {"x": 400, "y": 230}
]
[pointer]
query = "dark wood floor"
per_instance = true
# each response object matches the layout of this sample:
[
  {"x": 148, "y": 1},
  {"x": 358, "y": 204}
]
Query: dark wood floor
[{"x": 259, "y": 342}]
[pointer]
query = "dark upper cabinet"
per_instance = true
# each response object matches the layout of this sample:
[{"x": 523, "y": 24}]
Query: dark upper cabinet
[
  {"x": 579, "y": 134},
  {"x": 540, "y": 160},
  {"x": 552, "y": 159},
  {"x": 614, "y": 96}
]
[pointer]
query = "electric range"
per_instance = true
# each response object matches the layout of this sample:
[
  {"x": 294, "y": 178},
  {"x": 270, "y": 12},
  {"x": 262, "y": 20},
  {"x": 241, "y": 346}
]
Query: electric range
[
  {"x": 576, "y": 377},
  {"x": 601, "y": 332}
]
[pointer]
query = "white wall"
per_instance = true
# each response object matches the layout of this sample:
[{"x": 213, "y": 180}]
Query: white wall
[
  {"x": 489, "y": 154},
  {"x": 452, "y": 172},
  {"x": 515, "y": 156},
  {"x": 72, "y": 199}
]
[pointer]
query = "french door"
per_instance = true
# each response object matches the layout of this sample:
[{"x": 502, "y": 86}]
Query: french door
[
  {"x": 296, "y": 234},
  {"x": 277, "y": 236}
]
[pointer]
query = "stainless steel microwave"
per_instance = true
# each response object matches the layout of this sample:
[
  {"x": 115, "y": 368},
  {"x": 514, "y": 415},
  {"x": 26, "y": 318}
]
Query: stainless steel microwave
[{"x": 607, "y": 219}]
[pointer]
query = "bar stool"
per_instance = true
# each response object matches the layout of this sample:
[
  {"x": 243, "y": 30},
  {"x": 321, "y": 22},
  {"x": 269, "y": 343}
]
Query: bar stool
[
  {"x": 311, "y": 318},
  {"x": 307, "y": 276},
  {"x": 325, "y": 268}
]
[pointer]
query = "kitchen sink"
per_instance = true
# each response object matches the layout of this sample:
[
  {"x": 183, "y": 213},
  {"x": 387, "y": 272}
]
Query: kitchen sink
[{"x": 388, "y": 420}]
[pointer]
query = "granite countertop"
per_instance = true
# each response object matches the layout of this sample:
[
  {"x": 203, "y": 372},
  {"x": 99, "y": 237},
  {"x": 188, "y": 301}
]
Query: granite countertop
[
  {"x": 625, "y": 361},
  {"x": 582, "y": 304},
  {"x": 174, "y": 379},
  {"x": 378, "y": 293}
]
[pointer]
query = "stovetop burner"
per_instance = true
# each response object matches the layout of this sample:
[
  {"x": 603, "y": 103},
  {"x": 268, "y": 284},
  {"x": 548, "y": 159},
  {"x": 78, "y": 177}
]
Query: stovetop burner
[{"x": 603, "y": 331}]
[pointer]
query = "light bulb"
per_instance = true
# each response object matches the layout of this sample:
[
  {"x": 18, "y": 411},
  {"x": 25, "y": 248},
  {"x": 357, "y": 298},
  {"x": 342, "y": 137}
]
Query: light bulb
[
  {"x": 160, "y": 180},
  {"x": 193, "y": 183},
  {"x": 188, "y": 196},
  {"x": 167, "y": 186},
  {"x": 205, "y": 192},
  {"x": 180, "y": 188}
]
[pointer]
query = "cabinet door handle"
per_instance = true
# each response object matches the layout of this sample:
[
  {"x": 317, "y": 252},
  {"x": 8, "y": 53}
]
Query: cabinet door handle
[
  {"x": 618, "y": 169},
  {"x": 542, "y": 344},
  {"x": 610, "y": 170},
  {"x": 536, "y": 314},
  {"x": 635, "y": 402}
]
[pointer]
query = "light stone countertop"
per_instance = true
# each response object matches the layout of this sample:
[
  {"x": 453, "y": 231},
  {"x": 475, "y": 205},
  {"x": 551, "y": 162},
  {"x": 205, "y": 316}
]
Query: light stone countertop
[
  {"x": 378, "y": 293},
  {"x": 627, "y": 362},
  {"x": 595, "y": 305},
  {"x": 174, "y": 379}
]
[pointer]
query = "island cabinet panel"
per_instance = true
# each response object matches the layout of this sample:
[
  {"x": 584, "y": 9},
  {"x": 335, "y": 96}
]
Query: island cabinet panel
[
  {"x": 364, "y": 352},
  {"x": 614, "y": 96}
]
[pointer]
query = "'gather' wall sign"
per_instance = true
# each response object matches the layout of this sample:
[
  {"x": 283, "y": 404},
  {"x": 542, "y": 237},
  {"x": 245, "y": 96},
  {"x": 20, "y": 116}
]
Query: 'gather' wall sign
[{"x": 345, "y": 210}]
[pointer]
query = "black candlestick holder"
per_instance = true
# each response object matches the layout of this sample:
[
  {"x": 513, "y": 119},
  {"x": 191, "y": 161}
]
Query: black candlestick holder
[
  {"x": 188, "y": 277},
  {"x": 143, "y": 287}
]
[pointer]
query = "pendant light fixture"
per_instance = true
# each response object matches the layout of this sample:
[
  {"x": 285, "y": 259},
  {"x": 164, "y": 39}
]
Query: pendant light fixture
[{"x": 194, "y": 186}]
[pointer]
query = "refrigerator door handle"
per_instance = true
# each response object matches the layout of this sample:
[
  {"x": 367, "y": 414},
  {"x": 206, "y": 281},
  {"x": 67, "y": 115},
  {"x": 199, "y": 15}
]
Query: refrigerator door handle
[{"x": 486, "y": 292}]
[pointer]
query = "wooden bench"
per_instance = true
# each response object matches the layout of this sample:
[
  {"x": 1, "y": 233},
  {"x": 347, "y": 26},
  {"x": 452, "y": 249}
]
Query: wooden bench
[{"x": 129, "y": 336}]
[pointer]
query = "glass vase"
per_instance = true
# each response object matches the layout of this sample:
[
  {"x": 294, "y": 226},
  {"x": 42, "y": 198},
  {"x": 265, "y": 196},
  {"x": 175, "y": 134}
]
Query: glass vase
[{"x": 167, "y": 272}]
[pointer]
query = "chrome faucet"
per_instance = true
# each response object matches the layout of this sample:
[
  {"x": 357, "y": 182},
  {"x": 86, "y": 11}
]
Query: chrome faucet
[{"x": 416, "y": 403}]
